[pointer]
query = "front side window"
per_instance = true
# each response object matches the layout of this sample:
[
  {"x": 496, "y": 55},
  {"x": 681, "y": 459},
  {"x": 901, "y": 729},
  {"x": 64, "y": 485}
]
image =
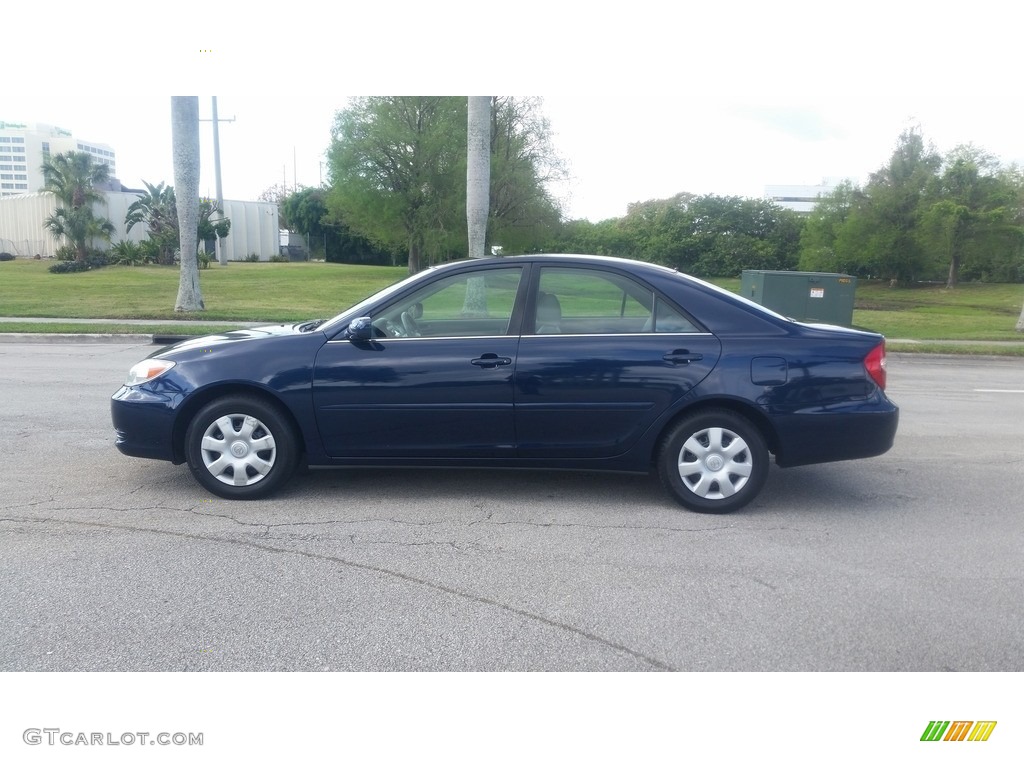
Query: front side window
[
  {"x": 476, "y": 303},
  {"x": 592, "y": 301}
]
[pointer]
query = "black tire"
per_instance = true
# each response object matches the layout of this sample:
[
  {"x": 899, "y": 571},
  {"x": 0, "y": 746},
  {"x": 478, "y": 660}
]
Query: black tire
[
  {"x": 727, "y": 455},
  {"x": 258, "y": 440}
]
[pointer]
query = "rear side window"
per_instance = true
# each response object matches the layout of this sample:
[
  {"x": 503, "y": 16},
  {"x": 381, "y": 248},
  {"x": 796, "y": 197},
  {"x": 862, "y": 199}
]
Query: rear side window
[{"x": 592, "y": 301}]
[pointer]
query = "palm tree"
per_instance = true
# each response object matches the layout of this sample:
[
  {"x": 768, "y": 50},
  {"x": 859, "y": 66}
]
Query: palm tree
[
  {"x": 79, "y": 226},
  {"x": 158, "y": 210},
  {"x": 478, "y": 195},
  {"x": 73, "y": 177},
  {"x": 185, "y": 153},
  {"x": 478, "y": 173}
]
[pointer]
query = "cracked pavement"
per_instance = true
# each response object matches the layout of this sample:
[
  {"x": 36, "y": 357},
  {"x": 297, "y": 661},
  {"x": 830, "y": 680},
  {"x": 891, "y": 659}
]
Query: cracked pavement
[{"x": 905, "y": 562}]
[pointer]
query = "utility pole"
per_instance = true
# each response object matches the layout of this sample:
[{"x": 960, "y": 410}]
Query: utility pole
[{"x": 222, "y": 257}]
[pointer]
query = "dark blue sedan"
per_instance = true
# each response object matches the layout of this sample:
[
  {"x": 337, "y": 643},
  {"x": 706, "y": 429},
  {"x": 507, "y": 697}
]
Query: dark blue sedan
[{"x": 569, "y": 362}]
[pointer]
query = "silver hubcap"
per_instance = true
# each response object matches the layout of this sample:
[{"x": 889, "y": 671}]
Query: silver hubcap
[
  {"x": 238, "y": 449},
  {"x": 715, "y": 463}
]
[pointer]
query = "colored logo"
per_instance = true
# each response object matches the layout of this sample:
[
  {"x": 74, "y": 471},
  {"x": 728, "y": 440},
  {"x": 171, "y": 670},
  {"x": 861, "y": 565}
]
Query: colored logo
[{"x": 958, "y": 730}]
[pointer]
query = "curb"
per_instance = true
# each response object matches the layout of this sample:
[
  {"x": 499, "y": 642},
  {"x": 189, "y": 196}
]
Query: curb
[{"x": 94, "y": 338}]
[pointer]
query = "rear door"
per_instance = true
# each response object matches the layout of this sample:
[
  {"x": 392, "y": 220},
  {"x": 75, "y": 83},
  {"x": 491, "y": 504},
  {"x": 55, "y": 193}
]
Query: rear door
[{"x": 601, "y": 358}]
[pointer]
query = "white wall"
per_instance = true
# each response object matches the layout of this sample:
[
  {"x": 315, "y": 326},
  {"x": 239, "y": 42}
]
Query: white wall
[
  {"x": 254, "y": 226},
  {"x": 21, "y": 225}
]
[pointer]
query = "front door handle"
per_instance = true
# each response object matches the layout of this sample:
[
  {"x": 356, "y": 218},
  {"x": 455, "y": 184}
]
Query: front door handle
[
  {"x": 491, "y": 360},
  {"x": 682, "y": 357}
]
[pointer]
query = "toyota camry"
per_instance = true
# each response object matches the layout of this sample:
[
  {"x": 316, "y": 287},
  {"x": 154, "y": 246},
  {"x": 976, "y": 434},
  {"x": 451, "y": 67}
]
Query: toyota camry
[{"x": 566, "y": 362}]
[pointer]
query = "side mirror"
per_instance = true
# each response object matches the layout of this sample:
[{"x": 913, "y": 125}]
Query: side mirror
[{"x": 361, "y": 329}]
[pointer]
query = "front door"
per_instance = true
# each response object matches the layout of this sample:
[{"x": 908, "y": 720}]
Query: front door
[{"x": 436, "y": 382}]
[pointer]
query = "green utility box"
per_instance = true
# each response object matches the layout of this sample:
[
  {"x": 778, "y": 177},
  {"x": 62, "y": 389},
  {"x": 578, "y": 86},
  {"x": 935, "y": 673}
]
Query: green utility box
[{"x": 818, "y": 297}]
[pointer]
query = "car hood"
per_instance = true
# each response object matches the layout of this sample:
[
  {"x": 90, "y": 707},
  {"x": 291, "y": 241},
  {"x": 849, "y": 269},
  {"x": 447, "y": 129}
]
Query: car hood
[{"x": 241, "y": 336}]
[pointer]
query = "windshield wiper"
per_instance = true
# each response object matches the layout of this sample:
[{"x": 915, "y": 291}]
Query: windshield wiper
[{"x": 310, "y": 325}]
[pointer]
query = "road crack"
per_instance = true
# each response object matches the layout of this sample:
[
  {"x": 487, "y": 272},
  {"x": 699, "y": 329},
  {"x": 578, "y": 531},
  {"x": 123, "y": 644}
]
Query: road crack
[{"x": 647, "y": 659}]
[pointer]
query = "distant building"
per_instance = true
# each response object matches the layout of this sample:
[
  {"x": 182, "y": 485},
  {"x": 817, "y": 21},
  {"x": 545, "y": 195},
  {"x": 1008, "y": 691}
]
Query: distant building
[
  {"x": 799, "y": 198},
  {"x": 24, "y": 147},
  {"x": 254, "y": 225}
]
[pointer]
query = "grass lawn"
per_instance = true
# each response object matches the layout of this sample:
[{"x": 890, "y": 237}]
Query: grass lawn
[
  {"x": 287, "y": 292},
  {"x": 975, "y": 311},
  {"x": 240, "y": 291}
]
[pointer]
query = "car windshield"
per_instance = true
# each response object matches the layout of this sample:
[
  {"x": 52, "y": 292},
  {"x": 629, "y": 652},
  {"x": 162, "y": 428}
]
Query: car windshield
[{"x": 357, "y": 310}]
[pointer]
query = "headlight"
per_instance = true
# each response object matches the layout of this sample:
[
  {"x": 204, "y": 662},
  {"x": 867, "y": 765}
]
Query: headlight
[{"x": 147, "y": 370}]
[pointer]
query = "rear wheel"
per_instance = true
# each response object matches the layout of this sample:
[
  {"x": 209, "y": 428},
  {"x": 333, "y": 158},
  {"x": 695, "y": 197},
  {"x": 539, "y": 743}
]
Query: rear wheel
[
  {"x": 241, "y": 447},
  {"x": 713, "y": 461}
]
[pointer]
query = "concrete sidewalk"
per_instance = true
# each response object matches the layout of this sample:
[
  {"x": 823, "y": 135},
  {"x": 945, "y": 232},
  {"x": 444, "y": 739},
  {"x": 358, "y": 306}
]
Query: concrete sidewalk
[
  {"x": 126, "y": 321},
  {"x": 112, "y": 338}
]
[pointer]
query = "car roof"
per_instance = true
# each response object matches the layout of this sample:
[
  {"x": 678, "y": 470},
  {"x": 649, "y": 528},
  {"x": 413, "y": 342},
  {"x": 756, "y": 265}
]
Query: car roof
[{"x": 576, "y": 258}]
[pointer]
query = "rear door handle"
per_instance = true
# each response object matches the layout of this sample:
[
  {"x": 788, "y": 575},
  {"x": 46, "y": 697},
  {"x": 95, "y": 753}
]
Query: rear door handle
[
  {"x": 491, "y": 360},
  {"x": 682, "y": 357}
]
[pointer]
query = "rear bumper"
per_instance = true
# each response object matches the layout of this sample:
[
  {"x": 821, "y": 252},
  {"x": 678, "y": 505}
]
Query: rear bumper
[
  {"x": 823, "y": 436},
  {"x": 143, "y": 424}
]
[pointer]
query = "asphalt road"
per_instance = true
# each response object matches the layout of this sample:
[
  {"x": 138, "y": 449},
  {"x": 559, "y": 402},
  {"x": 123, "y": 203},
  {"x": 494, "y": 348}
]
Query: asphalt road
[{"x": 910, "y": 561}]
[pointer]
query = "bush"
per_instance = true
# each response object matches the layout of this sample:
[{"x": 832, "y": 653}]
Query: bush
[
  {"x": 277, "y": 258},
  {"x": 253, "y": 257},
  {"x": 6, "y": 256},
  {"x": 150, "y": 250},
  {"x": 128, "y": 254},
  {"x": 94, "y": 260}
]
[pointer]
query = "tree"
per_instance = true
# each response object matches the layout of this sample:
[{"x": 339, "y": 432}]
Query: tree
[
  {"x": 275, "y": 193},
  {"x": 306, "y": 212},
  {"x": 478, "y": 193},
  {"x": 663, "y": 231},
  {"x": 73, "y": 177},
  {"x": 972, "y": 213},
  {"x": 213, "y": 224},
  {"x": 478, "y": 173},
  {"x": 524, "y": 164},
  {"x": 185, "y": 154},
  {"x": 711, "y": 235},
  {"x": 157, "y": 209},
  {"x": 604, "y": 238},
  {"x": 885, "y": 228},
  {"x": 395, "y": 163},
  {"x": 398, "y": 170},
  {"x": 822, "y": 247}
]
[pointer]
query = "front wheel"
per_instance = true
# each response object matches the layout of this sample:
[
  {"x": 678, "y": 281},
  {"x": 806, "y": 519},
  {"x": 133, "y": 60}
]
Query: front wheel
[
  {"x": 713, "y": 461},
  {"x": 241, "y": 447}
]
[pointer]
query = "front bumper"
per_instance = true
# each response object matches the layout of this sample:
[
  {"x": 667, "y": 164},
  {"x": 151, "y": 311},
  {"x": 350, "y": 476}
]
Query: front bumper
[{"x": 143, "y": 423}]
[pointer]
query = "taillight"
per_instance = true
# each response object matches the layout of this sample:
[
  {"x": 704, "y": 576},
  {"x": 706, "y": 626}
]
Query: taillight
[{"x": 874, "y": 364}]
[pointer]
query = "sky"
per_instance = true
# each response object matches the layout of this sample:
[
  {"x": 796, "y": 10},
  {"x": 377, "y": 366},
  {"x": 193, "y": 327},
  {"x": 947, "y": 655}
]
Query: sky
[{"x": 643, "y": 102}]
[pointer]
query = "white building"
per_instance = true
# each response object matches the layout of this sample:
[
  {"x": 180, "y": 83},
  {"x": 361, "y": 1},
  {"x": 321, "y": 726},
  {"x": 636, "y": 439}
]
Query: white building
[
  {"x": 254, "y": 226},
  {"x": 24, "y": 147},
  {"x": 799, "y": 197}
]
